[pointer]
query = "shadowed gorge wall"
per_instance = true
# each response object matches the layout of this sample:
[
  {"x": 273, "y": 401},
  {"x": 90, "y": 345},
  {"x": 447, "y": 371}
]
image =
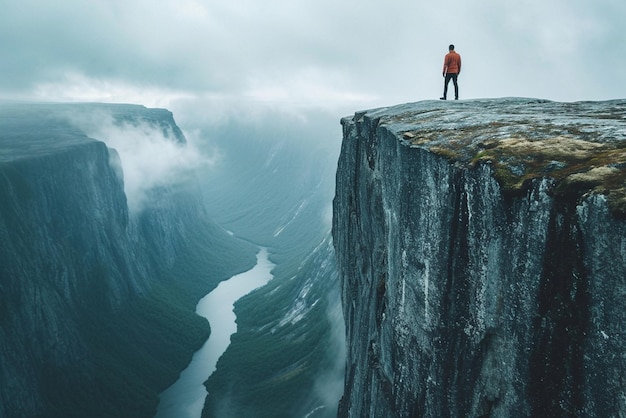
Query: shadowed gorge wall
[
  {"x": 482, "y": 253},
  {"x": 96, "y": 303}
]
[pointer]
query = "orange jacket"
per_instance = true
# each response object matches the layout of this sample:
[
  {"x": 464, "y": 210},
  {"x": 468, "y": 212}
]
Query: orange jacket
[{"x": 452, "y": 63}]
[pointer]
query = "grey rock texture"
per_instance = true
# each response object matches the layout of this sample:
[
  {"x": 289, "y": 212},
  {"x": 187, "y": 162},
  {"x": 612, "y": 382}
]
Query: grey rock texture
[
  {"x": 70, "y": 252},
  {"x": 482, "y": 252}
]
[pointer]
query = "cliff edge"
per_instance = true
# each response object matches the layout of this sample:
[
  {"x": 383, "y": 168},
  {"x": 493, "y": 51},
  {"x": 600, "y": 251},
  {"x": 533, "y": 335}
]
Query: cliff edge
[
  {"x": 482, "y": 252},
  {"x": 96, "y": 302}
]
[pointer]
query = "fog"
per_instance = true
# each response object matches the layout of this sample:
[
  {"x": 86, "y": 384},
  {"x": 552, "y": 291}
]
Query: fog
[
  {"x": 329, "y": 385},
  {"x": 261, "y": 74},
  {"x": 148, "y": 156},
  {"x": 320, "y": 53}
]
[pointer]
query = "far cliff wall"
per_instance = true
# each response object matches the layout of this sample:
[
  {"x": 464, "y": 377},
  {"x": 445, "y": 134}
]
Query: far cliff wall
[
  {"x": 96, "y": 303},
  {"x": 482, "y": 252}
]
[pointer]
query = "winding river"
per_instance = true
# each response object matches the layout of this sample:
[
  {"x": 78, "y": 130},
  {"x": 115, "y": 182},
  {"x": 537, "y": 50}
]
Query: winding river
[{"x": 185, "y": 398}]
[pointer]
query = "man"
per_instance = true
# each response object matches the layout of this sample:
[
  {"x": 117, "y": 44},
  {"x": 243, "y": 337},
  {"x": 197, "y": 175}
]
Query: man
[{"x": 451, "y": 70}]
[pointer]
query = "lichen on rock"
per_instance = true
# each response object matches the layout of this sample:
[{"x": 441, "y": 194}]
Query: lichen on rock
[
  {"x": 580, "y": 145},
  {"x": 483, "y": 266}
]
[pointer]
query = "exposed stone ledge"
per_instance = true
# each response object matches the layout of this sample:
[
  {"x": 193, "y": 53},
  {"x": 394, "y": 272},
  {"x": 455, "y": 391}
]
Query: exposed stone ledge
[
  {"x": 582, "y": 145},
  {"x": 482, "y": 273}
]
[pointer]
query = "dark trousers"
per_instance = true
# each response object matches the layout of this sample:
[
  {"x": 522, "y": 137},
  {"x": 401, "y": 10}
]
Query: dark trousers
[{"x": 451, "y": 76}]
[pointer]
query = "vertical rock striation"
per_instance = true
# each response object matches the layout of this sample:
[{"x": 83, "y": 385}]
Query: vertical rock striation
[
  {"x": 96, "y": 303},
  {"x": 482, "y": 251}
]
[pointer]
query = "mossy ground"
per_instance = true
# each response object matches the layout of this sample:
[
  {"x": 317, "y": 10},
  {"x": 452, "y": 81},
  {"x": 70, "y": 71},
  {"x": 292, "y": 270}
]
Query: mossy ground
[{"x": 582, "y": 146}]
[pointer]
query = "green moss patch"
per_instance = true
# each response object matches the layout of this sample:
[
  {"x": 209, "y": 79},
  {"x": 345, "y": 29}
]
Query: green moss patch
[
  {"x": 581, "y": 145},
  {"x": 578, "y": 166}
]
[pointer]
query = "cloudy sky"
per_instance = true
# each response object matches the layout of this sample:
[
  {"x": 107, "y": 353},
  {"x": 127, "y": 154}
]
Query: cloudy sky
[{"x": 334, "y": 54}]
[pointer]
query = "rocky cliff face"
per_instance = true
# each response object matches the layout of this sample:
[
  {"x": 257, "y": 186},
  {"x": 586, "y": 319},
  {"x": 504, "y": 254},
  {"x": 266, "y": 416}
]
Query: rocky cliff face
[
  {"x": 94, "y": 299},
  {"x": 482, "y": 252}
]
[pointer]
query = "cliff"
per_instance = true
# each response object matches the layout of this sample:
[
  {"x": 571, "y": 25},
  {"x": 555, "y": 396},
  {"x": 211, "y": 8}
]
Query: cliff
[
  {"x": 96, "y": 302},
  {"x": 481, "y": 248}
]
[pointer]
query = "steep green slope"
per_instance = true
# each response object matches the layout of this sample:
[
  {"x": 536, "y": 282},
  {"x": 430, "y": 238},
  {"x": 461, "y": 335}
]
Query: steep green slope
[{"x": 274, "y": 186}]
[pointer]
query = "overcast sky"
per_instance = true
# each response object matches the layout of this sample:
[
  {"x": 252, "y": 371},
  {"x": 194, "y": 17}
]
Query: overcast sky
[{"x": 335, "y": 54}]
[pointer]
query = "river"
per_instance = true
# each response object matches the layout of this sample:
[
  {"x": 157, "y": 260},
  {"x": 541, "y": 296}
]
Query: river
[{"x": 185, "y": 398}]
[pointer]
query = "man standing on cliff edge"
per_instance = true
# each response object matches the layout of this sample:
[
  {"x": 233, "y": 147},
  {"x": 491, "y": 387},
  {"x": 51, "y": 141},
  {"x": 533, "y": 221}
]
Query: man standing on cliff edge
[{"x": 451, "y": 70}]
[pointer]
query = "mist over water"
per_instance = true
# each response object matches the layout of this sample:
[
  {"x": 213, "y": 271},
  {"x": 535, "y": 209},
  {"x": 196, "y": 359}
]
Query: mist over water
[{"x": 185, "y": 398}]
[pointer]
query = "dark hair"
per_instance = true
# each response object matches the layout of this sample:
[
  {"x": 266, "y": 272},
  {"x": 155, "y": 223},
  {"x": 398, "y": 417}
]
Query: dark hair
[{"x": 451, "y": 47}]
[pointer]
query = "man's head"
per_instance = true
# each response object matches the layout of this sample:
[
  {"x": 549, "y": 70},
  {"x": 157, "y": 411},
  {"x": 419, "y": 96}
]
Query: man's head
[{"x": 451, "y": 47}]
